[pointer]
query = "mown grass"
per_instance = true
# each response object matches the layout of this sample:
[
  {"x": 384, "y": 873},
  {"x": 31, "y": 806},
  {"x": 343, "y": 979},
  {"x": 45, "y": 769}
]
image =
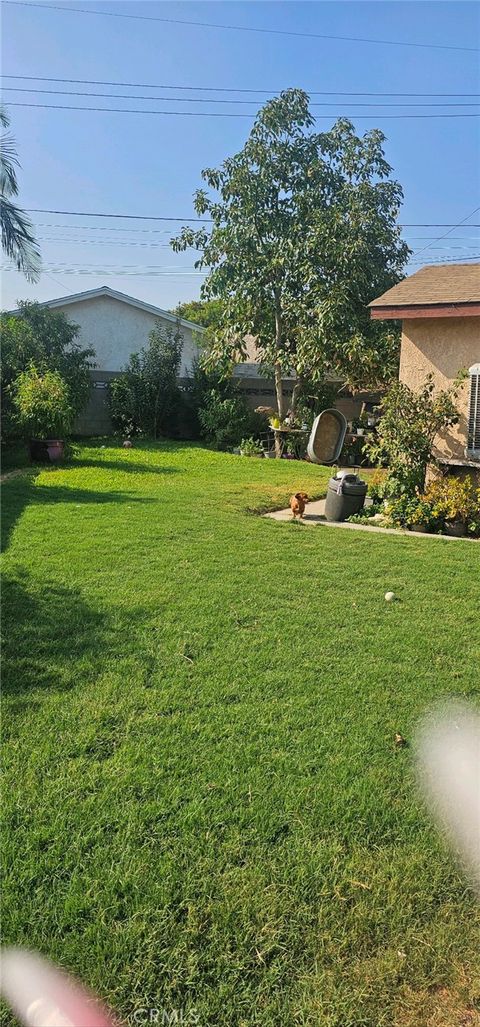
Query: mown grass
[{"x": 205, "y": 808}]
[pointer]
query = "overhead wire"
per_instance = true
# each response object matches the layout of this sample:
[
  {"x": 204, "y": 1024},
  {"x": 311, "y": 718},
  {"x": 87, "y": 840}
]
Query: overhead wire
[
  {"x": 218, "y": 114},
  {"x": 195, "y": 99},
  {"x": 219, "y": 89},
  {"x": 240, "y": 28}
]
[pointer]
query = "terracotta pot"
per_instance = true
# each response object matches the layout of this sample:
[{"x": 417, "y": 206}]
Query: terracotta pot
[{"x": 46, "y": 450}]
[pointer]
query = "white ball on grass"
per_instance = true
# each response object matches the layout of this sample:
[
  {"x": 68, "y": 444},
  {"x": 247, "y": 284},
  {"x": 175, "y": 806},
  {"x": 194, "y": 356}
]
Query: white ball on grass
[{"x": 389, "y": 596}]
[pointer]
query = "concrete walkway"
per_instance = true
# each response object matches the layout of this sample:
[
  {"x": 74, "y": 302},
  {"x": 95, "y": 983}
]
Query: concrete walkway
[
  {"x": 14, "y": 474},
  {"x": 315, "y": 514}
]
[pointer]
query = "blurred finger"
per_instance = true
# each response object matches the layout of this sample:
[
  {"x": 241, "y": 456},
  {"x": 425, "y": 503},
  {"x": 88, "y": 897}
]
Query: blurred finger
[
  {"x": 449, "y": 765},
  {"x": 42, "y": 996}
]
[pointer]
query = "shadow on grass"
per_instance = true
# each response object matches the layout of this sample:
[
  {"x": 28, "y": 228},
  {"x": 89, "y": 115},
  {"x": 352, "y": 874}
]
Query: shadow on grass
[
  {"x": 125, "y": 466},
  {"x": 43, "y": 495},
  {"x": 44, "y": 630},
  {"x": 18, "y": 493},
  {"x": 54, "y": 639}
]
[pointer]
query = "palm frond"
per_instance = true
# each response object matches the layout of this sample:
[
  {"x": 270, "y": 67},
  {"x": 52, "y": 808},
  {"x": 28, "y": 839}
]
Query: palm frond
[
  {"x": 18, "y": 241},
  {"x": 4, "y": 118},
  {"x": 8, "y": 162}
]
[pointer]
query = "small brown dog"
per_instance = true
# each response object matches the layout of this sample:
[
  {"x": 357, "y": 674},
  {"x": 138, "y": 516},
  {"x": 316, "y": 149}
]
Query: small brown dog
[{"x": 297, "y": 504}]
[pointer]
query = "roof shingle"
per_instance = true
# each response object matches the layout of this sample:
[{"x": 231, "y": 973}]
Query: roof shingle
[{"x": 434, "y": 284}]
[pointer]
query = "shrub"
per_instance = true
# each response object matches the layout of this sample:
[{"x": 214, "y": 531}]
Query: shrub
[
  {"x": 196, "y": 390},
  {"x": 454, "y": 499},
  {"x": 224, "y": 422},
  {"x": 146, "y": 397},
  {"x": 406, "y": 432},
  {"x": 215, "y": 410},
  {"x": 47, "y": 339},
  {"x": 42, "y": 402},
  {"x": 251, "y": 447},
  {"x": 444, "y": 501},
  {"x": 376, "y": 485}
]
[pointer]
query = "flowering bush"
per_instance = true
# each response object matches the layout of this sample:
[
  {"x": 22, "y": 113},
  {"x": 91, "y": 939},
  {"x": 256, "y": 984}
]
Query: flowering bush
[
  {"x": 377, "y": 485},
  {"x": 449, "y": 500},
  {"x": 454, "y": 499}
]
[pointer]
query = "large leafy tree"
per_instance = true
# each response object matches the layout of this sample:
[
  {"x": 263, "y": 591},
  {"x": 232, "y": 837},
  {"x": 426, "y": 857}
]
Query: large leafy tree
[
  {"x": 18, "y": 240},
  {"x": 304, "y": 234},
  {"x": 207, "y": 313},
  {"x": 46, "y": 338}
]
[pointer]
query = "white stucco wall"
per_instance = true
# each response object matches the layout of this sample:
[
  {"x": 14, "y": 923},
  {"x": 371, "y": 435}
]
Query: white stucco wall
[{"x": 115, "y": 329}]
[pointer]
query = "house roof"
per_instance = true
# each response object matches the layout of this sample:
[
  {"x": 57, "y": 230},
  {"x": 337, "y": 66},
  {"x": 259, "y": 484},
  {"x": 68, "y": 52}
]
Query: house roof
[
  {"x": 104, "y": 290},
  {"x": 434, "y": 285}
]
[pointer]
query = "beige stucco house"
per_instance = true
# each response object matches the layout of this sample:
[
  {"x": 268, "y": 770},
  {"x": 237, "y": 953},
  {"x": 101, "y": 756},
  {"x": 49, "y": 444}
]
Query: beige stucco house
[
  {"x": 115, "y": 325},
  {"x": 439, "y": 307}
]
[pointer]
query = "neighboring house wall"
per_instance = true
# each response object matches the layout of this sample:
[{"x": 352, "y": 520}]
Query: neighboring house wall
[
  {"x": 115, "y": 329},
  {"x": 442, "y": 347}
]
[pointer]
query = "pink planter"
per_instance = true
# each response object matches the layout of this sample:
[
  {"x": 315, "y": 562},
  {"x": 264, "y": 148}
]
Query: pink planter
[{"x": 47, "y": 450}]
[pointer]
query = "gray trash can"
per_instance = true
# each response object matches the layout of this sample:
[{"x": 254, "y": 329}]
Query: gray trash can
[{"x": 345, "y": 496}]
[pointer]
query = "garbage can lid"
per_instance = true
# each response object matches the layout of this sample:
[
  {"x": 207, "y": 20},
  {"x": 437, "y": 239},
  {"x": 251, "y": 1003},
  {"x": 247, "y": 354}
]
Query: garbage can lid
[{"x": 345, "y": 481}]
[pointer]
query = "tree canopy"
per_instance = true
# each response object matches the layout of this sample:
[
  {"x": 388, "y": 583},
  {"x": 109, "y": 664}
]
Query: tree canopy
[
  {"x": 207, "y": 313},
  {"x": 47, "y": 339},
  {"x": 304, "y": 234}
]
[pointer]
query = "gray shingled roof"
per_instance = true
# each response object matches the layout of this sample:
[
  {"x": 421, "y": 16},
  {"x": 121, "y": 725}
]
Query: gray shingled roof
[{"x": 435, "y": 284}]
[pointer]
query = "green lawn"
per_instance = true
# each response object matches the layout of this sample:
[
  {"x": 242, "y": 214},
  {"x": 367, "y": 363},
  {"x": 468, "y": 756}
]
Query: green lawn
[{"x": 205, "y": 808}]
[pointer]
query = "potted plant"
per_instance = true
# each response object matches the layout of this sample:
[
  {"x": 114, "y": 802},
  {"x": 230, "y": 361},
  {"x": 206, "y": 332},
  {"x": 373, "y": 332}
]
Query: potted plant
[
  {"x": 423, "y": 517},
  {"x": 42, "y": 402},
  {"x": 453, "y": 503}
]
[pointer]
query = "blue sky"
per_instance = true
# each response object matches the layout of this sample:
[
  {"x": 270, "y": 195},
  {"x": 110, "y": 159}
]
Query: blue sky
[{"x": 141, "y": 164}]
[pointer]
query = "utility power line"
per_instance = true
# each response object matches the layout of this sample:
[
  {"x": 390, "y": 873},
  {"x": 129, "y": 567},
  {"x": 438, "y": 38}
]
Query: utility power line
[
  {"x": 133, "y": 217},
  {"x": 106, "y": 228},
  {"x": 196, "y": 99},
  {"x": 223, "y": 114},
  {"x": 240, "y": 28},
  {"x": 74, "y": 241},
  {"x": 107, "y": 242},
  {"x": 145, "y": 273},
  {"x": 440, "y": 237},
  {"x": 135, "y": 244},
  {"x": 216, "y": 89},
  {"x": 155, "y": 217},
  {"x": 444, "y": 260},
  {"x": 165, "y": 231}
]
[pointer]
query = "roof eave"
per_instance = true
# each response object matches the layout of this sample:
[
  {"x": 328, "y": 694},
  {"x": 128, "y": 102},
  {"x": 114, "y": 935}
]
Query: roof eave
[
  {"x": 105, "y": 290},
  {"x": 403, "y": 312}
]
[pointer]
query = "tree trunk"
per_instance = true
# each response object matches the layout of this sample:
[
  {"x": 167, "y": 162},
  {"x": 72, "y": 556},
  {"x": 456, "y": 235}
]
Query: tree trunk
[
  {"x": 278, "y": 371},
  {"x": 280, "y": 407},
  {"x": 155, "y": 416},
  {"x": 297, "y": 391}
]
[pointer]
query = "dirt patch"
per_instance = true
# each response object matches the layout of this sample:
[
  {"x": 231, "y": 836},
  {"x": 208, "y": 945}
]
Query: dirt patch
[
  {"x": 437, "y": 1007},
  {"x": 13, "y": 474}
]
